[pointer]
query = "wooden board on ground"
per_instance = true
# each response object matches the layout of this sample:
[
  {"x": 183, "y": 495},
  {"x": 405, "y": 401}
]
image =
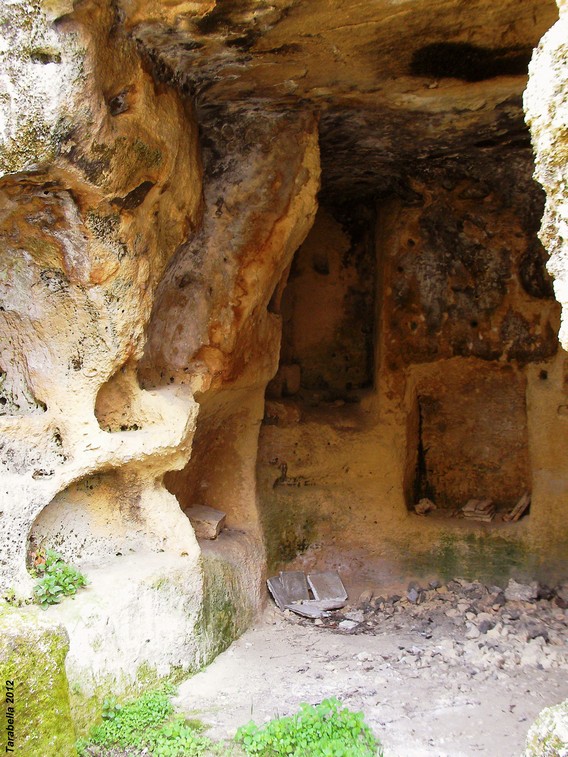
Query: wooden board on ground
[
  {"x": 479, "y": 509},
  {"x": 313, "y": 608}
]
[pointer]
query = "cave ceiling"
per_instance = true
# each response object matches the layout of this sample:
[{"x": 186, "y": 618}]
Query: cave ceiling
[{"x": 399, "y": 86}]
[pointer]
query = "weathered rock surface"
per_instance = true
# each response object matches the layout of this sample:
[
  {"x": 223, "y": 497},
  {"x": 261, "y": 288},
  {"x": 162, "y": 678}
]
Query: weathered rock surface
[
  {"x": 37, "y": 713},
  {"x": 86, "y": 231},
  {"x": 546, "y": 105},
  {"x": 548, "y": 735},
  {"x": 388, "y": 80}
]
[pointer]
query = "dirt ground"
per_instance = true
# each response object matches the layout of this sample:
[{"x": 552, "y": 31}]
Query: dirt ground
[{"x": 461, "y": 670}]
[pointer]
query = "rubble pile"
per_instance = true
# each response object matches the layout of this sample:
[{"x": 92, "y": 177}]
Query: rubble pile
[{"x": 467, "y": 624}]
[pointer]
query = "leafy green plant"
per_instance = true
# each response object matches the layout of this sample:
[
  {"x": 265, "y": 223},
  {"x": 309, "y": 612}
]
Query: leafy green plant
[
  {"x": 111, "y": 708},
  {"x": 56, "y": 579},
  {"x": 324, "y": 730},
  {"x": 147, "y": 726}
]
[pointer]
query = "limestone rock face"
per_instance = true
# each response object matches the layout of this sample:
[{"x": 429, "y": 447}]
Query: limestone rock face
[
  {"x": 197, "y": 198},
  {"x": 260, "y": 201},
  {"x": 546, "y": 104},
  {"x": 548, "y": 735},
  {"x": 261, "y": 179},
  {"x": 86, "y": 231},
  {"x": 395, "y": 83}
]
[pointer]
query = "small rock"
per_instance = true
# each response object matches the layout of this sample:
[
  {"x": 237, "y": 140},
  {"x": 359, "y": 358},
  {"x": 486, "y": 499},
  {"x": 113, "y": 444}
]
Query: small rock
[
  {"x": 365, "y": 597},
  {"x": 412, "y": 595},
  {"x": 486, "y": 625},
  {"x": 535, "y": 631},
  {"x": 424, "y": 506},
  {"x": 472, "y": 632},
  {"x": 495, "y": 632},
  {"x": 435, "y": 584},
  {"x": 562, "y": 592},
  {"x": 545, "y": 592},
  {"x": 347, "y": 625},
  {"x": 498, "y": 601},
  {"x": 521, "y": 592},
  {"x": 355, "y": 615}
]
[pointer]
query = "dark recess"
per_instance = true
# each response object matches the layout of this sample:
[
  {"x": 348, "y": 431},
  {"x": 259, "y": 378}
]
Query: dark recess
[
  {"x": 135, "y": 198},
  {"x": 219, "y": 18},
  {"x": 422, "y": 487},
  {"x": 461, "y": 60}
]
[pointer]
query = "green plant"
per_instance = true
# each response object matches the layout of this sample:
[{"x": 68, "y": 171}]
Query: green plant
[
  {"x": 111, "y": 708},
  {"x": 324, "y": 730},
  {"x": 56, "y": 579},
  {"x": 146, "y": 725}
]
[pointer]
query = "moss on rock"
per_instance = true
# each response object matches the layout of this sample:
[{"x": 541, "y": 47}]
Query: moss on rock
[
  {"x": 226, "y": 611},
  {"x": 548, "y": 735},
  {"x": 33, "y": 654}
]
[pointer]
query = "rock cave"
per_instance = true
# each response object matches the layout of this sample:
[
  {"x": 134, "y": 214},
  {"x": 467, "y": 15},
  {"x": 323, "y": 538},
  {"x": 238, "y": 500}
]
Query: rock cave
[{"x": 302, "y": 263}]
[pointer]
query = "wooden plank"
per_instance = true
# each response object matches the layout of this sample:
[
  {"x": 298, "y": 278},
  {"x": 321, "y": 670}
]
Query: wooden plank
[
  {"x": 314, "y": 608},
  {"x": 479, "y": 509}
]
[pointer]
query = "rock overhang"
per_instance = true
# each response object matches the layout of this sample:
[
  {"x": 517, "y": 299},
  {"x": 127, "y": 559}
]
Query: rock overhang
[{"x": 395, "y": 85}]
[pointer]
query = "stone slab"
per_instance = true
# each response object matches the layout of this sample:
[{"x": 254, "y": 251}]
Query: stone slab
[
  {"x": 313, "y": 608},
  {"x": 277, "y": 591},
  {"x": 519, "y": 508},
  {"x": 327, "y": 585},
  {"x": 206, "y": 521},
  {"x": 295, "y": 585}
]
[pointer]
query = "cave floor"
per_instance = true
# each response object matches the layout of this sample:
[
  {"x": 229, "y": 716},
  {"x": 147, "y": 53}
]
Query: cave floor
[{"x": 461, "y": 673}]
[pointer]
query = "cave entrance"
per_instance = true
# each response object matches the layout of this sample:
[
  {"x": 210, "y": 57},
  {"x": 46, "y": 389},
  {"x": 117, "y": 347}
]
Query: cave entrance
[{"x": 419, "y": 331}]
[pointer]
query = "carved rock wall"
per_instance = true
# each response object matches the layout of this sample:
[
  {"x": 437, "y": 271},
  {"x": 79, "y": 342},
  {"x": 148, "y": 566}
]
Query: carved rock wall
[
  {"x": 89, "y": 220},
  {"x": 160, "y": 167}
]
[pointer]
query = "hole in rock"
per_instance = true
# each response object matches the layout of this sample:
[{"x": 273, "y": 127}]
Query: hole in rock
[
  {"x": 119, "y": 405},
  {"x": 462, "y": 60},
  {"x": 113, "y": 513},
  {"x": 327, "y": 310},
  {"x": 220, "y": 472}
]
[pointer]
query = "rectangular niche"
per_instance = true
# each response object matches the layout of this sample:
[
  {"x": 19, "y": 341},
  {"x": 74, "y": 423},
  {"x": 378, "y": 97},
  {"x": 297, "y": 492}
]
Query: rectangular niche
[{"x": 469, "y": 437}]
